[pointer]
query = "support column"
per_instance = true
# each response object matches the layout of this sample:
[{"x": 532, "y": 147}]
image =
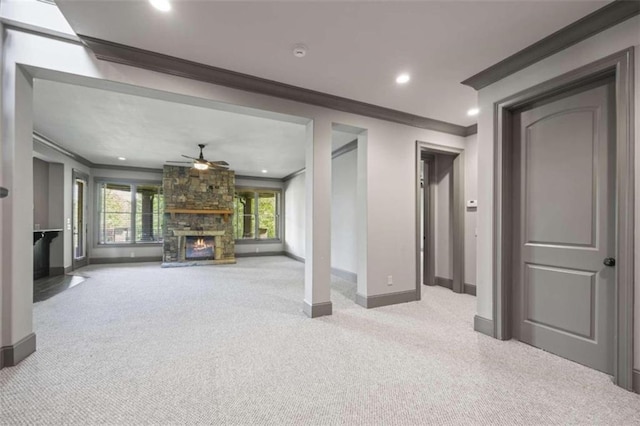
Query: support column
[
  {"x": 317, "y": 267},
  {"x": 16, "y": 156}
]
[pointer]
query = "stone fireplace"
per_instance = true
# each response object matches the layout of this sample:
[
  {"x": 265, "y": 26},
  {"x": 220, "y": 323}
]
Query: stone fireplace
[{"x": 198, "y": 229}]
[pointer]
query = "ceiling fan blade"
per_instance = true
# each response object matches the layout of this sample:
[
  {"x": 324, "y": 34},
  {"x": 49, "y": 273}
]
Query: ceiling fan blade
[
  {"x": 220, "y": 163},
  {"x": 216, "y": 166},
  {"x": 180, "y": 162},
  {"x": 192, "y": 158}
]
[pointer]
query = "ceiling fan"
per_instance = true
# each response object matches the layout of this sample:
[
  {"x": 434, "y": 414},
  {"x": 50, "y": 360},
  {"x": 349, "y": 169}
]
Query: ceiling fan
[{"x": 201, "y": 163}]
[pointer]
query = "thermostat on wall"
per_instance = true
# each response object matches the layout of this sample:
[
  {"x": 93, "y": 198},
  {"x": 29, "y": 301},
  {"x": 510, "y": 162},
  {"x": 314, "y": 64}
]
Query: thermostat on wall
[{"x": 472, "y": 203}]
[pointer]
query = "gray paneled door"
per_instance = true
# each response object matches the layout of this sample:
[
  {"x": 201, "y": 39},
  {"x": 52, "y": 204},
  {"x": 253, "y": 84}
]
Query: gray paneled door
[{"x": 564, "y": 227}]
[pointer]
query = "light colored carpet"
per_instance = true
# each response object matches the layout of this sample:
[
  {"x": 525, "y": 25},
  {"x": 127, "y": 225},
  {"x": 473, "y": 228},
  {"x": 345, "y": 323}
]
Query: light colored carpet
[{"x": 137, "y": 344}]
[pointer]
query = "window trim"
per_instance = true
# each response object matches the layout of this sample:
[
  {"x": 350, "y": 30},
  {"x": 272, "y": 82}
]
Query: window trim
[
  {"x": 279, "y": 209},
  {"x": 97, "y": 181}
]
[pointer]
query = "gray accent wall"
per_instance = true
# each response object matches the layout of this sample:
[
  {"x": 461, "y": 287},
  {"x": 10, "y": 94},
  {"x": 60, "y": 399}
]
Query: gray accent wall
[{"x": 444, "y": 216}]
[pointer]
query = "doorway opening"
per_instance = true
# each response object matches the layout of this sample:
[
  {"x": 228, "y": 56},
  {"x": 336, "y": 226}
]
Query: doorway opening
[
  {"x": 79, "y": 215},
  {"x": 440, "y": 214}
]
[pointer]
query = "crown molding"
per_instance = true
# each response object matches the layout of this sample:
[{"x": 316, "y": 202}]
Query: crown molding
[
  {"x": 38, "y": 137},
  {"x": 258, "y": 178},
  {"x": 345, "y": 148},
  {"x": 290, "y": 176},
  {"x": 471, "y": 130},
  {"x": 598, "y": 21},
  {"x": 140, "y": 58},
  {"x": 51, "y": 144},
  {"x": 353, "y": 145},
  {"x": 125, "y": 168},
  {"x": 10, "y": 24}
]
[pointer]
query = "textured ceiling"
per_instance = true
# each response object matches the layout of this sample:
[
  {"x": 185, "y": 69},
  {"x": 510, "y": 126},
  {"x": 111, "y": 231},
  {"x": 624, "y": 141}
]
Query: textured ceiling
[
  {"x": 356, "y": 48},
  {"x": 103, "y": 125}
]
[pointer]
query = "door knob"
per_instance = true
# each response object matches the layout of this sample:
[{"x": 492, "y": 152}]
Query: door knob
[{"x": 609, "y": 261}]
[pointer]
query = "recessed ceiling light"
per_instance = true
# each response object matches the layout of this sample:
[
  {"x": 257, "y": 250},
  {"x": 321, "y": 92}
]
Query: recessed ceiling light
[
  {"x": 403, "y": 78},
  {"x": 161, "y": 5},
  {"x": 121, "y": 158},
  {"x": 472, "y": 112},
  {"x": 264, "y": 171}
]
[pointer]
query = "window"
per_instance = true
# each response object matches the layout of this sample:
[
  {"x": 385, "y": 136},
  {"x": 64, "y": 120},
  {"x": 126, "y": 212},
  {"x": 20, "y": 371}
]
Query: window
[
  {"x": 257, "y": 214},
  {"x": 129, "y": 213}
]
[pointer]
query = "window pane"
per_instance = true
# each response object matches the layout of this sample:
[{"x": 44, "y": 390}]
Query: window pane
[
  {"x": 267, "y": 213},
  {"x": 117, "y": 228},
  {"x": 115, "y": 213},
  {"x": 148, "y": 217},
  {"x": 251, "y": 206}
]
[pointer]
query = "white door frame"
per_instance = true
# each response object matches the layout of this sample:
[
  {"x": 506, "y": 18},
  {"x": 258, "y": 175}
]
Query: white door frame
[{"x": 620, "y": 66}]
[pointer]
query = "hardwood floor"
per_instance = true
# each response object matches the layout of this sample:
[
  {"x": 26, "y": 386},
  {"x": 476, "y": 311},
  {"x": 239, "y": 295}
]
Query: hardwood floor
[{"x": 47, "y": 287}]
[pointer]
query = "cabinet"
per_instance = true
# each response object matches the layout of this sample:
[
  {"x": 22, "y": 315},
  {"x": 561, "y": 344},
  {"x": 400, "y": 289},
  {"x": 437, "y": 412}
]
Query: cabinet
[{"x": 41, "y": 242}]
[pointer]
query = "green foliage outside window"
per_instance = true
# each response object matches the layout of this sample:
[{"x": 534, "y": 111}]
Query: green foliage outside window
[
  {"x": 119, "y": 223},
  {"x": 256, "y": 223}
]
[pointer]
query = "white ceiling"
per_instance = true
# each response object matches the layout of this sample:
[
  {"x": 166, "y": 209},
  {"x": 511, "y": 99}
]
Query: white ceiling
[
  {"x": 102, "y": 125},
  {"x": 356, "y": 48}
]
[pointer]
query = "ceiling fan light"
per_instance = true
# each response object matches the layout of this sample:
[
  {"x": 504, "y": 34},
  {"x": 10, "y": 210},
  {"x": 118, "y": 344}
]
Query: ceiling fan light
[{"x": 200, "y": 166}]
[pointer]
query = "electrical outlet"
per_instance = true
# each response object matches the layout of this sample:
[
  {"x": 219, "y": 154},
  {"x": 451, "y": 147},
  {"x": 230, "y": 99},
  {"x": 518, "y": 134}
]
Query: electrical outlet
[
  {"x": 390, "y": 280},
  {"x": 257, "y": 250},
  {"x": 133, "y": 254}
]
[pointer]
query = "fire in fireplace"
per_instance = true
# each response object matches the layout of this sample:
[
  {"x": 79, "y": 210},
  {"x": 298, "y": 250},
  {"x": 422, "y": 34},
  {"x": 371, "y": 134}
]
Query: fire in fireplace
[{"x": 199, "y": 248}]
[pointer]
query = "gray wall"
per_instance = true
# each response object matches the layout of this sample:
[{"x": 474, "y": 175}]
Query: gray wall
[
  {"x": 40, "y": 193},
  {"x": 294, "y": 215},
  {"x": 443, "y": 216},
  {"x": 343, "y": 212}
]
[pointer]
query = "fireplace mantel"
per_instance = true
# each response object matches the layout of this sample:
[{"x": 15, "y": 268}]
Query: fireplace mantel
[
  {"x": 225, "y": 213},
  {"x": 196, "y": 233}
]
